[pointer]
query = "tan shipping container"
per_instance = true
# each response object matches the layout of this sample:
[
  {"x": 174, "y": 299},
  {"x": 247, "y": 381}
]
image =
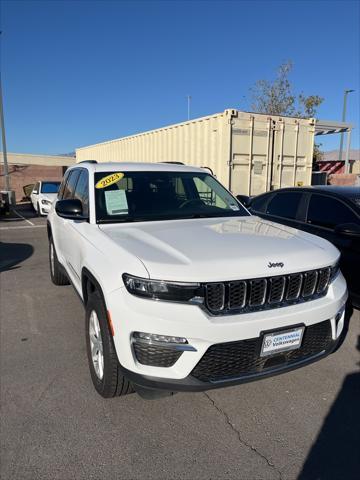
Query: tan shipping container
[{"x": 249, "y": 153}]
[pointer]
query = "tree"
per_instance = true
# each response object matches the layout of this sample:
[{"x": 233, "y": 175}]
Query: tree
[{"x": 278, "y": 98}]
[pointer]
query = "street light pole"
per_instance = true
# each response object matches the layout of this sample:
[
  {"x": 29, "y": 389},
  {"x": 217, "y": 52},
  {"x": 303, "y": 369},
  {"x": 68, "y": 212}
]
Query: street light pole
[
  {"x": 346, "y": 92},
  {"x": 6, "y": 169}
]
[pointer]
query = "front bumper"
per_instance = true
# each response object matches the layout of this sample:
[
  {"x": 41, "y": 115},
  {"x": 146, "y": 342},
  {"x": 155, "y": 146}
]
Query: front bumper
[
  {"x": 192, "y": 384},
  {"x": 203, "y": 331}
]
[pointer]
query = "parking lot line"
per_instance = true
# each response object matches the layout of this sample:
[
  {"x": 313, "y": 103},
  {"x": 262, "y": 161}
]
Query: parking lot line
[
  {"x": 19, "y": 215},
  {"x": 23, "y": 226}
]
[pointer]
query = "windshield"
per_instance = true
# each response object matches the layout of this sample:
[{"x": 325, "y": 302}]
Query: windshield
[
  {"x": 147, "y": 196},
  {"x": 50, "y": 187}
]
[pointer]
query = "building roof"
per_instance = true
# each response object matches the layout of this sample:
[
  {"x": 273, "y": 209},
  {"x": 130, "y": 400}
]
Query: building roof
[{"x": 30, "y": 159}]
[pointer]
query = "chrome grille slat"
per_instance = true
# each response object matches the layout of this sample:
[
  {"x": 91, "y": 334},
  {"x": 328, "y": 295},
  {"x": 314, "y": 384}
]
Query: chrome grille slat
[
  {"x": 237, "y": 294},
  {"x": 242, "y": 296},
  {"x": 276, "y": 289},
  {"x": 215, "y": 296},
  {"x": 294, "y": 284},
  {"x": 309, "y": 284},
  {"x": 257, "y": 292},
  {"x": 323, "y": 279}
]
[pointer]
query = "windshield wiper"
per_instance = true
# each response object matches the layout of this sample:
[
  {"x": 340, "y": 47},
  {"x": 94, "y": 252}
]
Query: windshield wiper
[{"x": 115, "y": 220}]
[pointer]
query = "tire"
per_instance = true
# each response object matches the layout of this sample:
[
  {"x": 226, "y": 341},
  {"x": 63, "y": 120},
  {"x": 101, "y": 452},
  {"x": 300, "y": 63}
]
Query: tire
[
  {"x": 58, "y": 277},
  {"x": 105, "y": 373}
]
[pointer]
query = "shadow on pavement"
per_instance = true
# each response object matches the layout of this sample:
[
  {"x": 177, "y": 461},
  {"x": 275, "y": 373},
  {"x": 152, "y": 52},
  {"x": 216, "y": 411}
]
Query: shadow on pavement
[
  {"x": 13, "y": 253},
  {"x": 335, "y": 454}
]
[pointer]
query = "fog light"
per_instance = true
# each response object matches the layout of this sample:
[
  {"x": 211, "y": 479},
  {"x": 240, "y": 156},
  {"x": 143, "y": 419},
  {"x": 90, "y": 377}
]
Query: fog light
[
  {"x": 158, "y": 350},
  {"x": 151, "y": 338}
]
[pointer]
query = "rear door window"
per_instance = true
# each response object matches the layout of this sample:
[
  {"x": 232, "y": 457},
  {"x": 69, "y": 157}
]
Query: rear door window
[
  {"x": 285, "y": 204},
  {"x": 328, "y": 212}
]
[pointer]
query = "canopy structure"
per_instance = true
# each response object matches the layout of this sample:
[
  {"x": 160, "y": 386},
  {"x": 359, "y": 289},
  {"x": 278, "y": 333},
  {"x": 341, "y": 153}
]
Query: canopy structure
[{"x": 325, "y": 127}]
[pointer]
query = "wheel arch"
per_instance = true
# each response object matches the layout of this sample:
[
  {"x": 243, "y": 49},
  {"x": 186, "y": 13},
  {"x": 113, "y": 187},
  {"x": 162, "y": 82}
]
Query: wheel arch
[{"x": 89, "y": 284}]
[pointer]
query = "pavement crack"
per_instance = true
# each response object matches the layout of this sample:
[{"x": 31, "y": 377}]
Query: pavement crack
[{"x": 238, "y": 434}]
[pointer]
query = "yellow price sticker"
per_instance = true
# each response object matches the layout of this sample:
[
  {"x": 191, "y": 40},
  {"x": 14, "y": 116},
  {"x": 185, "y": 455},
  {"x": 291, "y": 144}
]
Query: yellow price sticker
[{"x": 109, "y": 180}]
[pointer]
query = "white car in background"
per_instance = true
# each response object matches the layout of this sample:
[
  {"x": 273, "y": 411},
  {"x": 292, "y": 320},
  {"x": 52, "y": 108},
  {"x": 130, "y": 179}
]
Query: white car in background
[{"x": 43, "y": 195}]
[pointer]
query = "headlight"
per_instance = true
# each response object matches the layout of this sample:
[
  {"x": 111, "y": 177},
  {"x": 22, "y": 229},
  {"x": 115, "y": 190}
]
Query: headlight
[
  {"x": 162, "y": 290},
  {"x": 46, "y": 202}
]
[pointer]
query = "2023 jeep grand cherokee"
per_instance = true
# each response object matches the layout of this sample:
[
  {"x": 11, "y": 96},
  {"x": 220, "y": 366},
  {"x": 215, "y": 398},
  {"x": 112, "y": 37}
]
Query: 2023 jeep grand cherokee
[{"x": 183, "y": 288}]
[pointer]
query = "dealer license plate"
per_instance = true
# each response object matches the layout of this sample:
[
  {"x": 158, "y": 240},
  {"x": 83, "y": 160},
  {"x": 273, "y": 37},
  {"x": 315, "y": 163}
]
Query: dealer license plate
[{"x": 284, "y": 341}]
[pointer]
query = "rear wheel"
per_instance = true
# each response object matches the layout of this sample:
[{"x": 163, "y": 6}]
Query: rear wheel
[
  {"x": 103, "y": 362},
  {"x": 58, "y": 277}
]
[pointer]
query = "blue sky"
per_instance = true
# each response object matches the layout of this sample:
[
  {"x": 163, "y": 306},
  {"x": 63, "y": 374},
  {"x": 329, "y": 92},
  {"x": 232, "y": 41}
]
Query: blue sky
[{"x": 80, "y": 72}]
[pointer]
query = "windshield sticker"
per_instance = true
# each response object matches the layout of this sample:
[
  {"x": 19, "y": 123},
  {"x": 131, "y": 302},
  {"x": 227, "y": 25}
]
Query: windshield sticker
[
  {"x": 109, "y": 180},
  {"x": 234, "y": 207},
  {"x": 116, "y": 202}
]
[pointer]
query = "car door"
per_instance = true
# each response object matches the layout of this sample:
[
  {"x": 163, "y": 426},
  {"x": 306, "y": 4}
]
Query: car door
[
  {"x": 324, "y": 213},
  {"x": 62, "y": 224},
  {"x": 77, "y": 229},
  {"x": 34, "y": 196},
  {"x": 286, "y": 207}
]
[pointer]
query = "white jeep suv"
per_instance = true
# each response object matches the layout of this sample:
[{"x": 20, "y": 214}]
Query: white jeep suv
[{"x": 184, "y": 290}]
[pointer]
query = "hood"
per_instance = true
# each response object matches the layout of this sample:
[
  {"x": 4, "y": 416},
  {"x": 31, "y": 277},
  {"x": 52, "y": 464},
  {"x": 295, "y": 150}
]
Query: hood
[
  {"x": 49, "y": 196},
  {"x": 201, "y": 250}
]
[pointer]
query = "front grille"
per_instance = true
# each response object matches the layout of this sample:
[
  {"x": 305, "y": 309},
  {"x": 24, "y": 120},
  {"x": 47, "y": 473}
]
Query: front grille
[
  {"x": 265, "y": 293},
  {"x": 225, "y": 361},
  {"x": 155, "y": 355},
  {"x": 215, "y": 295}
]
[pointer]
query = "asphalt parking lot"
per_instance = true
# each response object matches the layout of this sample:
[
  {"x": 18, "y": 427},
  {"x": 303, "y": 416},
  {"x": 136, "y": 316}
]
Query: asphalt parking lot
[{"x": 301, "y": 425}]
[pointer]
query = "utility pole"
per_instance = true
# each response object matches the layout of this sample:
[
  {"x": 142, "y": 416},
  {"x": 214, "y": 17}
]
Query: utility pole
[
  {"x": 188, "y": 105},
  {"x": 6, "y": 169},
  {"x": 346, "y": 92}
]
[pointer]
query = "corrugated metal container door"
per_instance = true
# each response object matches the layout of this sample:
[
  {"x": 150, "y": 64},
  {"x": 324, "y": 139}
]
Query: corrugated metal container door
[
  {"x": 292, "y": 152},
  {"x": 251, "y": 153},
  {"x": 270, "y": 153}
]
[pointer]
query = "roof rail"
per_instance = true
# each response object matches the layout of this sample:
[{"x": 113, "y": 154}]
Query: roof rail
[
  {"x": 175, "y": 163},
  {"x": 88, "y": 161}
]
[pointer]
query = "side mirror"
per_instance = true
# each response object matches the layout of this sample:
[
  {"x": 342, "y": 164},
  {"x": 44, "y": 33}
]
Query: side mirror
[
  {"x": 71, "y": 209},
  {"x": 244, "y": 199},
  {"x": 348, "y": 229}
]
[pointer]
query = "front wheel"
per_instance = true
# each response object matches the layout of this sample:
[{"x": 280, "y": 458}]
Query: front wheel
[{"x": 103, "y": 362}]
